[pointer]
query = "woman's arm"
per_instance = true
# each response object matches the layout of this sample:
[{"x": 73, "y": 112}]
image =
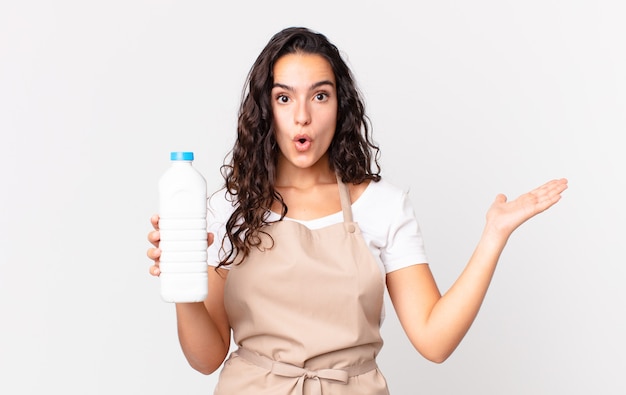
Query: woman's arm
[
  {"x": 436, "y": 324},
  {"x": 203, "y": 327}
]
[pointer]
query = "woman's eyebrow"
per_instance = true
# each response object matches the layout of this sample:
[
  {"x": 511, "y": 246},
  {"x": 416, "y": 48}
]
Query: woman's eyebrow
[
  {"x": 322, "y": 83},
  {"x": 282, "y": 86},
  {"x": 314, "y": 86}
]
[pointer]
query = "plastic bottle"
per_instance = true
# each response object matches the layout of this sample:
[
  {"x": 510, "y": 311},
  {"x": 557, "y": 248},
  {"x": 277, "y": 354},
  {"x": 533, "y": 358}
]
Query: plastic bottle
[{"x": 183, "y": 228}]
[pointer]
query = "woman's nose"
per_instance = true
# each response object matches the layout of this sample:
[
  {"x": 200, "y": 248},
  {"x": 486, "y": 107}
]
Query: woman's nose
[{"x": 303, "y": 114}]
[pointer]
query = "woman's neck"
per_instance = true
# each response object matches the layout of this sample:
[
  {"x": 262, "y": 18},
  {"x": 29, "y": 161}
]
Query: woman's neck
[{"x": 290, "y": 176}]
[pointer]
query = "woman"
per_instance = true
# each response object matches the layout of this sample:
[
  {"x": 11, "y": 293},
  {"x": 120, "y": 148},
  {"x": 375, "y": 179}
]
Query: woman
[{"x": 298, "y": 280}]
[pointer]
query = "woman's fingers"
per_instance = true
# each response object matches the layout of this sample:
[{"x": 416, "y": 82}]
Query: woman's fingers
[
  {"x": 155, "y": 270},
  {"x": 548, "y": 194},
  {"x": 154, "y": 220},
  {"x": 505, "y": 216},
  {"x": 154, "y": 254},
  {"x": 154, "y": 238}
]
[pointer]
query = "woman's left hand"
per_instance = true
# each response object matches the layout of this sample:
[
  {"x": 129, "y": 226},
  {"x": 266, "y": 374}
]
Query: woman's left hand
[{"x": 503, "y": 217}]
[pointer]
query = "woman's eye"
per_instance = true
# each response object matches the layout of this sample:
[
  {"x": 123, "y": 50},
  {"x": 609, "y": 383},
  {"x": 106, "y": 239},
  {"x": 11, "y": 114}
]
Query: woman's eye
[
  {"x": 321, "y": 96},
  {"x": 283, "y": 99}
]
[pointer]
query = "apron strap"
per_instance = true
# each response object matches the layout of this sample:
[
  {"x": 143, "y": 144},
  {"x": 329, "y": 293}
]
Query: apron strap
[{"x": 346, "y": 202}]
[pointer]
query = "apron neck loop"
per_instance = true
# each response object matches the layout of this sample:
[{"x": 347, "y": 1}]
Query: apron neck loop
[{"x": 346, "y": 203}]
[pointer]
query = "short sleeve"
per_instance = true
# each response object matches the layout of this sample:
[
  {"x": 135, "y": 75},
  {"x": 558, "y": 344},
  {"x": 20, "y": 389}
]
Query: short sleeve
[
  {"x": 404, "y": 244},
  {"x": 389, "y": 227}
]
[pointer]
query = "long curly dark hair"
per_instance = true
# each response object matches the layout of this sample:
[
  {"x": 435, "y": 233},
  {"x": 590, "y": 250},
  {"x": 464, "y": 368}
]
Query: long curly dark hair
[{"x": 250, "y": 174}]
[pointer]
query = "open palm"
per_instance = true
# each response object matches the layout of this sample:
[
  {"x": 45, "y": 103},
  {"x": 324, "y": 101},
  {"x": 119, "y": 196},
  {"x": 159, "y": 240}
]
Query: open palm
[{"x": 505, "y": 216}]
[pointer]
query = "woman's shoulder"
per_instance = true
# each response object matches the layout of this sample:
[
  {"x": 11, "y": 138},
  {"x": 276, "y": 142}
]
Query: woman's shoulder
[
  {"x": 382, "y": 193},
  {"x": 382, "y": 204}
]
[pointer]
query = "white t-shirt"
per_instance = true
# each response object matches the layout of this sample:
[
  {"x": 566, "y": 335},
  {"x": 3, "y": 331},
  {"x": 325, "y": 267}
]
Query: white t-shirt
[{"x": 383, "y": 212}]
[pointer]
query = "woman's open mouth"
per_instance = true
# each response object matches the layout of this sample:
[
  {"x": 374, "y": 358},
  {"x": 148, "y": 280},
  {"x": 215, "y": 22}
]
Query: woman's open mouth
[{"x": 302, "y": 143}]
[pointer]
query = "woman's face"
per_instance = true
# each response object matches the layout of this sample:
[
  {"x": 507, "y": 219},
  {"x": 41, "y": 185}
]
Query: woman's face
[{"x": 304, "y": 106}]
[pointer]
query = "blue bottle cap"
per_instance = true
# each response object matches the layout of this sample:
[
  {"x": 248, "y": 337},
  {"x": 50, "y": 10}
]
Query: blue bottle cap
[{"x": 181, "y": 155}]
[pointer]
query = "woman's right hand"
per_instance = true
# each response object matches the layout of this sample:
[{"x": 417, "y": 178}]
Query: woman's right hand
[
  {"x": 154, "y": 237},
  {"x": 154, "y": 253}
]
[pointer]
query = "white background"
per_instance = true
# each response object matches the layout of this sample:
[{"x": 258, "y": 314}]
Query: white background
[{"x": 468, "y": 99}]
